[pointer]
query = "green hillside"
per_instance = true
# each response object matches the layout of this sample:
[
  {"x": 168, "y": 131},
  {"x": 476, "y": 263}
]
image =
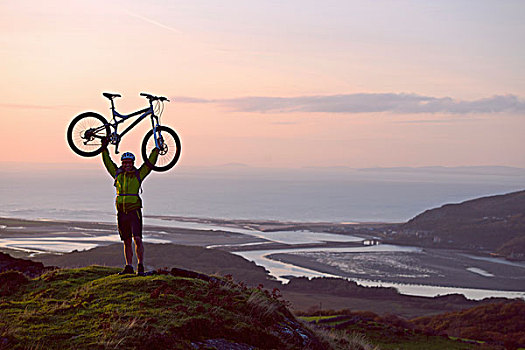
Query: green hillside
[
  {"x": 92, "y": 308},
  {"x": 501, "y": 323},
  {"x": 498, "y": 326}
]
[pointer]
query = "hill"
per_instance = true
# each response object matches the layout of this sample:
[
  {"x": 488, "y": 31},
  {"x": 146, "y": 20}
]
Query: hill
[
  {"x": 93, "y": 307},
  {"x": 500, "y": 323},
  {"x": 27, "y": 267},
  {"x": 494, "y": 326},
  {"x": 495, "y": 223}
]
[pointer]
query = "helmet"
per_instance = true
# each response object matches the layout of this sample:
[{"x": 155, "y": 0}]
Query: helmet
[{"x": 128, "y": 155}]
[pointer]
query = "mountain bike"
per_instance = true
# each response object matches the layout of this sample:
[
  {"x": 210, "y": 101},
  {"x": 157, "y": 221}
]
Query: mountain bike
[{"x": 89, "y": 132}]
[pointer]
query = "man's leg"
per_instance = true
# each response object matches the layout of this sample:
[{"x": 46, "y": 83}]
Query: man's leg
[
  {"x": 124, "y": 230},
  {"x": 139, "y": 249},
  {"x": 137, "y": 237},
  {"x": 128, "y": 251}
]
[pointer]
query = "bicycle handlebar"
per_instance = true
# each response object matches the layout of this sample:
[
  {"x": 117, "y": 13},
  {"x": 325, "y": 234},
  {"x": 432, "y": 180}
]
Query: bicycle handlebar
[{"x": 154, "y": 98}]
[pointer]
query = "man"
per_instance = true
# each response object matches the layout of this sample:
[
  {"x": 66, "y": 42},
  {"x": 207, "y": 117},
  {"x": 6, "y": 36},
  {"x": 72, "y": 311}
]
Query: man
[{"x": 128, "y": 181}]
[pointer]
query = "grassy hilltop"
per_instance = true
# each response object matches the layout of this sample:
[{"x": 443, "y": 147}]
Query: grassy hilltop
[{"x": 92, "y": 307}]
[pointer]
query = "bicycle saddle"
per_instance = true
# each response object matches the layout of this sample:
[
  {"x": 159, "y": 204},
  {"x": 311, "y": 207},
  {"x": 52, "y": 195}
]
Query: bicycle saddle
[{"x": 110, "y": 96}]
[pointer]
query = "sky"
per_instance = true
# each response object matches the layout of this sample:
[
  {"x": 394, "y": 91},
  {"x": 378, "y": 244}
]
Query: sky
[{"x": 276, "y": 84}]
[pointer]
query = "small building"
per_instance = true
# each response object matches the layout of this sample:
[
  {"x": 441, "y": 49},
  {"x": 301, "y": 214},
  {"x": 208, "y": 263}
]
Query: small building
[{"x": 372, "y": 241}]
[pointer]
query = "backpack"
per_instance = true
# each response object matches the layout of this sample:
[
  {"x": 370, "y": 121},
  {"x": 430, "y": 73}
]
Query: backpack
[{"x": 137, "y": 174}]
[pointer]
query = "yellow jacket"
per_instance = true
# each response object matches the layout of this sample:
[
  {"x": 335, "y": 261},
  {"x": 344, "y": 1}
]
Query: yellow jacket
[{"x": 127, "y": 183}]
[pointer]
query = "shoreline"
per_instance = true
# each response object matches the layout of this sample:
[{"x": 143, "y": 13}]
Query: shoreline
[
  {"x": 269, "y": 225},
  {"x": 235, "y": 241},
  {"x": 83, "y": 233}
]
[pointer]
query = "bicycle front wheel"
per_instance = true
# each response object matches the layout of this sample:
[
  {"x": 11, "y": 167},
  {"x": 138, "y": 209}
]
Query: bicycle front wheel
[
  {"x": 85, "y": 134},
  {"x": 169, "y": 148}
]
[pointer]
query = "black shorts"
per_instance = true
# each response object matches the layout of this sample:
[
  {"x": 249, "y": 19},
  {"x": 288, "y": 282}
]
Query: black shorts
[{"x": 129, "y": 224}]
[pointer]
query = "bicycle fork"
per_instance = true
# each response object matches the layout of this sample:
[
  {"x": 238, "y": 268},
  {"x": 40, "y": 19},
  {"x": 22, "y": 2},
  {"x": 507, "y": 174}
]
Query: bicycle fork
[
  {"x": 157, "y": 138},
  {"x": 154, "y": 126}
]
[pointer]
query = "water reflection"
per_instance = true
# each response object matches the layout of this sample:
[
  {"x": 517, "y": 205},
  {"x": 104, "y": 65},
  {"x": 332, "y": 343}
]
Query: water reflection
[{"x": 282, "y": 271}]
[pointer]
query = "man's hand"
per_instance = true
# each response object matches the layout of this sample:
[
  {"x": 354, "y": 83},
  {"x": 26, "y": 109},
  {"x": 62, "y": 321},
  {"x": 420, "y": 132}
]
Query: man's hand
[{"x": 105, "y": 142}]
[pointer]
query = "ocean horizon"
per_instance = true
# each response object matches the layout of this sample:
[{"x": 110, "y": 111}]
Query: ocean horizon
[{"x": 241, "y": 192}]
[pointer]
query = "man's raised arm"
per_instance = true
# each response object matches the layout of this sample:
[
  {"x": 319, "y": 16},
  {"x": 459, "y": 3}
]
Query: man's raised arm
[
  {"x": 108, "y": 163},
  {"x": 144, "y": 168}
]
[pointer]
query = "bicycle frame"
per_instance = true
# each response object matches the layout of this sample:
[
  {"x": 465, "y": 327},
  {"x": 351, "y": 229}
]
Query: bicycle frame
[{"x": 115, "y": 137}]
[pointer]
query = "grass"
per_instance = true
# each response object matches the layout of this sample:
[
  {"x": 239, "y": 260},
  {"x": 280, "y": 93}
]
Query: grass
[
  {"x": 316, "y": 319},
  {"x": 93, "y": 307},
  {"x": 381, "y": 335}
]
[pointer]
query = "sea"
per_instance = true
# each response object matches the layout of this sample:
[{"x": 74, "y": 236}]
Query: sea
[{"x": 242, "y": 192}]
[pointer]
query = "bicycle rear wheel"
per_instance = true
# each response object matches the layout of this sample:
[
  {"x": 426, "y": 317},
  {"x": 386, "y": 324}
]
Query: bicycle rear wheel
[
  {"x": 85, "y": 134},
  {"x": 169, "y": 145}
]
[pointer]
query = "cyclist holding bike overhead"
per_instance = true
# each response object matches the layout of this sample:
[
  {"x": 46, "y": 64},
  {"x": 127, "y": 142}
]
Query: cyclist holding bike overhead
[{"x": 128, "y": 180}]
